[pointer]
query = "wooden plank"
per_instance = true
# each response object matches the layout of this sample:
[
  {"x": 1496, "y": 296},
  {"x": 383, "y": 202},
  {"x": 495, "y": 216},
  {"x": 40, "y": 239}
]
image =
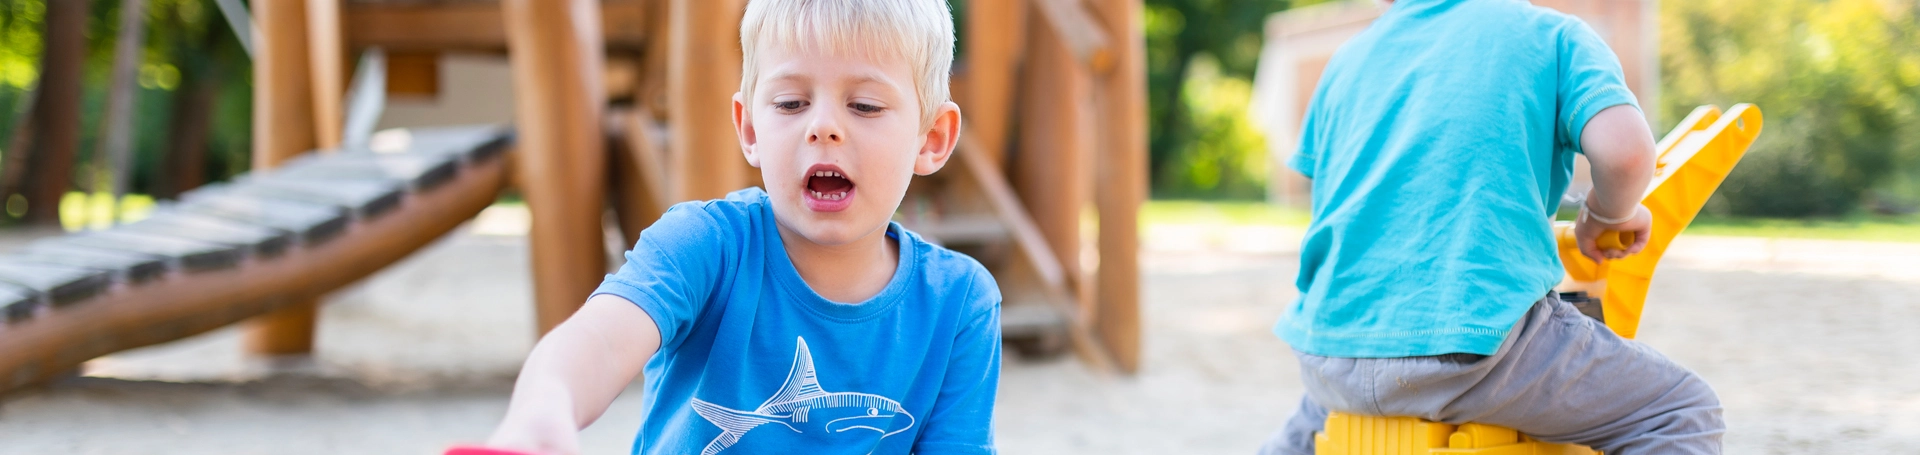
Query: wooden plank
[
  {"x": 1121, "y": 173},
  {"x": 556, "y": 56},
  {"x": 363, "y": 199},
  {"x": 63, "y": 285},
  {"x": 327, "y": 60},
  {"x": 127, "y": 266},
  {"x": 470, "y": 142},
  {"x": 703, "y": 64},
  {"x": 312, "y": 223},
  {"x": 18, "y": 303},
  {"x": 419, "y": 172},
  {"x": 259, "y": 241},
  {"x": 472, "y": 26},
  {"x": 995, "y": 37},
  {"x": 185, "y": 254}
]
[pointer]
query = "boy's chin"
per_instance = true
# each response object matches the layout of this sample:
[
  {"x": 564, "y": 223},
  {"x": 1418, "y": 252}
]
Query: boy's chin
[{"x": 834, "y": 232}]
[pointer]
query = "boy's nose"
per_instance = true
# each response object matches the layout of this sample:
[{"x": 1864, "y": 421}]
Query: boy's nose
[{"x": 825, "y": 130}]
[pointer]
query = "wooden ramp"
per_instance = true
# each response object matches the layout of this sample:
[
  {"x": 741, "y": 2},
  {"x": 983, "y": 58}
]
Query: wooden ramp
[{"x": 232, "y": 251}]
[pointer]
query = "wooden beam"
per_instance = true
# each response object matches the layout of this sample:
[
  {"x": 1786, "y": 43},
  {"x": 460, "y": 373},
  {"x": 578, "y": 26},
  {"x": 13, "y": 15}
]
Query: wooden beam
[
  {"x": 1050, "y": 170},
  {"x": 472, "y": 25},
  {"x": 1090, "y": 44},
  {"x": 1057, "y": 284},
  {"x": 413, "y": 73},
  {"x": 557, "y": 66},
  {"x": 1122, "y": 175},
  {"x": 996, "y": 32},
  {"x": 639, "y": 172},
  {"x": 328, "y": 61},
  {"x": 283, "y": 128},
  {"x": 703, "y": 65}
]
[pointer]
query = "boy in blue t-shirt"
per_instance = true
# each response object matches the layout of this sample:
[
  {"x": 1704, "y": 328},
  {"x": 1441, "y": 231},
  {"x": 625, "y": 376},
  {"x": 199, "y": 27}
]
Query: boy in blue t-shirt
[
  {"x": 1439, "y": 142},
  {"x": 796, "y": 318}
]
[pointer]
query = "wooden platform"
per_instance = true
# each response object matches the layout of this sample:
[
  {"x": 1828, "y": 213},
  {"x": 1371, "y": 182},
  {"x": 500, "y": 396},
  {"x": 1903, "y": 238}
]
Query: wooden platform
[{"x": 231, "y": 251}]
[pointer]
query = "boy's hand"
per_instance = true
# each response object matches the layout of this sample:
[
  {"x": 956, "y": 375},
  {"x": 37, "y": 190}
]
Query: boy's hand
[
  {"x": 537, "y": 436},
  {"x": 1587, "y": 230}
]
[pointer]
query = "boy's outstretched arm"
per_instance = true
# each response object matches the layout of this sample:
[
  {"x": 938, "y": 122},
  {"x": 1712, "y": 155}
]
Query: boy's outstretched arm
[
  {"x": 1620, "y": 148},
  {"x": 574, "y": 373}
]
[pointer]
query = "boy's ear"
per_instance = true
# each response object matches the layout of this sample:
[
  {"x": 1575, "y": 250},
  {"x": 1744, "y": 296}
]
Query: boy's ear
[
  {"x": 743, "y": 127},
  {"x": 940, "y": 140}
]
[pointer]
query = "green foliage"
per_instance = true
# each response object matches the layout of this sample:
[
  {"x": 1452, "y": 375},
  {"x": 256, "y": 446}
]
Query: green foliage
[
  {"x": 1228, "y": 34},
  {"x": 1838, "y": 80},
  {"x": 187, "y": 43},
  {"x": 1227, "y": 158}
]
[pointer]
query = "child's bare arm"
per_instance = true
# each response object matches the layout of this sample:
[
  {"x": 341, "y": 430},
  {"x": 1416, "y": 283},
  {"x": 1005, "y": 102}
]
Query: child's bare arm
[
  {"x": 574, "y": 373},
  {"x": 1620, "y": 148}
]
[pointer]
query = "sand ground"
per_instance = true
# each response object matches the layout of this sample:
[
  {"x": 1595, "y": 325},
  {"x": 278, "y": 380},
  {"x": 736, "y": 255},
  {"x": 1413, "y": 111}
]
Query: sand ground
[{"x": 1812, "y": 345}]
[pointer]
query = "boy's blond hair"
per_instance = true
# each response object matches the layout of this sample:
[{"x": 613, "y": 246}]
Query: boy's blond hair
[{"x": 918, "y": 31}]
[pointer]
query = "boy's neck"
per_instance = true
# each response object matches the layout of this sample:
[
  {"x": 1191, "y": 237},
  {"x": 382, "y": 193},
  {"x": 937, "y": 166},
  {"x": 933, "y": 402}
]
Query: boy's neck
[{"x": 849, "y": 273}]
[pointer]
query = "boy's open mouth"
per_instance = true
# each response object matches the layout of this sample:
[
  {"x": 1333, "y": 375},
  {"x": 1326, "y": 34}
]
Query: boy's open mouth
[{"x": 828, "y": 188}]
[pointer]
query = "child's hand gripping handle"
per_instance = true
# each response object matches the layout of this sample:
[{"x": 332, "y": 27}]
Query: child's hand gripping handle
[{"x": 1579, "y": 267}]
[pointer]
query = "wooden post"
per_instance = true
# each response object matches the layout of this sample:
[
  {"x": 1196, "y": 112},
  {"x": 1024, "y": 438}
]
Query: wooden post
[
  {"x": 327, "y": 55},
  {"x": 283, "y": 128},
  {"x": 56, "y": 112},
  {"x": 1050, "y": 170},
  {"x": 703, "y": 73},
  {"x": 995, "y": 31},
  {"x": 1122, "y": 176},
  {"x": 556, "y": 53}
]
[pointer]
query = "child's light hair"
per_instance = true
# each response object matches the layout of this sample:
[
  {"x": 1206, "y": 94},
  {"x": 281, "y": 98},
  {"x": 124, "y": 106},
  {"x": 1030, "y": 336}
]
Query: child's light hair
[{"x": 917, "y": 31}]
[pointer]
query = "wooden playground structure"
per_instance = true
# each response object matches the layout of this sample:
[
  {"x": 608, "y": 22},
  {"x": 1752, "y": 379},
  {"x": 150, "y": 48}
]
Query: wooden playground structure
[{"x": 622, "y": 108}]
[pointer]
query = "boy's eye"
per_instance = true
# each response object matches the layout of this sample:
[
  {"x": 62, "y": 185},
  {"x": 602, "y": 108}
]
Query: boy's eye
[
  {"x": 866, "y": 108},
  {"x": 790, "y": 105}
]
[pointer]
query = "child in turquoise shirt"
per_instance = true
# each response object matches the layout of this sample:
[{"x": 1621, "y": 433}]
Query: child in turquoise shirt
[{"x": 1439, "y": 142}]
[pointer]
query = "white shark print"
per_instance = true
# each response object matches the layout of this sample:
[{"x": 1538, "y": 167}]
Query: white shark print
[{"x": 803, "y": 407}]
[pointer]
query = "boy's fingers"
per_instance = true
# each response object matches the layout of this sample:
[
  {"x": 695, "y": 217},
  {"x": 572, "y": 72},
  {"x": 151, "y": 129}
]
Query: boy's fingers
[
  {"x": 1640, "y": 238},
  {"x": 1588, "y": 249}
]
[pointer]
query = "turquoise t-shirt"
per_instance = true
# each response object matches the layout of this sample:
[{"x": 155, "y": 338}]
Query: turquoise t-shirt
[
  {"x": 1439, "y": 142},
  {"x": 752, "y": 360}
]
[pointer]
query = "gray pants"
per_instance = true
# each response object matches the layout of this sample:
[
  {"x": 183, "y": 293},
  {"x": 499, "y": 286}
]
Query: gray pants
[{"x": 1559, "y": 376}]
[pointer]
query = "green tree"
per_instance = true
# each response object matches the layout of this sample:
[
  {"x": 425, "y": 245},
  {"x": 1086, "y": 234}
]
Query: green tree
[
  {"x": 1180, "y": 32},
  {"x": 1839, "y": 81}
]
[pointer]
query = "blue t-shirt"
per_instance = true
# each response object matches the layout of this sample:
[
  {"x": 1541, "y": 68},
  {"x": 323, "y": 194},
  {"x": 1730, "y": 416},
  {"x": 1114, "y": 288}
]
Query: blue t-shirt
[
  {"x": 1439, "y": 142},
  {"x": 751, "y": 360}
]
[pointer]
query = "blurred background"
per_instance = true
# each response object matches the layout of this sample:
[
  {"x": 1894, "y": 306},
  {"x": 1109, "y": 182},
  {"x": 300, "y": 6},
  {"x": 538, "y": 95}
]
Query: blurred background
[
  {"x": 1839, "y": 80},
  {"x": 1793, "y": 293}
]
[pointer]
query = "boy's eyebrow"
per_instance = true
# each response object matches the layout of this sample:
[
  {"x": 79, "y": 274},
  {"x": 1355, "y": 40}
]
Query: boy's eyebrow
[{"x": 860, "y": 78}]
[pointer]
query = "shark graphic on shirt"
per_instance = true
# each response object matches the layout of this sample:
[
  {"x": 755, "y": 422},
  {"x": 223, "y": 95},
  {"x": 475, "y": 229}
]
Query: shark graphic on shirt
[{"x": 803, "y": 407}]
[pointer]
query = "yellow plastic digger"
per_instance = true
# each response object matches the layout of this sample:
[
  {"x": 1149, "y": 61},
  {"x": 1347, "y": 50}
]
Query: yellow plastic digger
[{"x": 1693, "y": 159}]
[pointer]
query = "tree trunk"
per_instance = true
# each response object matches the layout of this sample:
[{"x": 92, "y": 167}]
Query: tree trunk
[
  {"x": 56, "y": 112},
  {"x": 117, "y": 148}
]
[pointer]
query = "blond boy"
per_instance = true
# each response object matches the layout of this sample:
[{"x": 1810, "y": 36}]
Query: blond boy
[{"x": 797, "y": 318}]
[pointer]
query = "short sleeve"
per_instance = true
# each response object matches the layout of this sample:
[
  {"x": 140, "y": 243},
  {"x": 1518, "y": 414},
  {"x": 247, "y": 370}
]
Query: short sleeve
[
  {"x": 1590, "y": 81},
  {"x": 961, "y": 421},
  {"x": 673, "y": 271}
]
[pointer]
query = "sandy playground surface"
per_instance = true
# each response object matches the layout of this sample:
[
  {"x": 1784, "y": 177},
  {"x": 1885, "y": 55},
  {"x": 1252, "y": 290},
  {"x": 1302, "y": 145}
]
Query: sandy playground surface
[{"x": 1812, "y": 345}]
